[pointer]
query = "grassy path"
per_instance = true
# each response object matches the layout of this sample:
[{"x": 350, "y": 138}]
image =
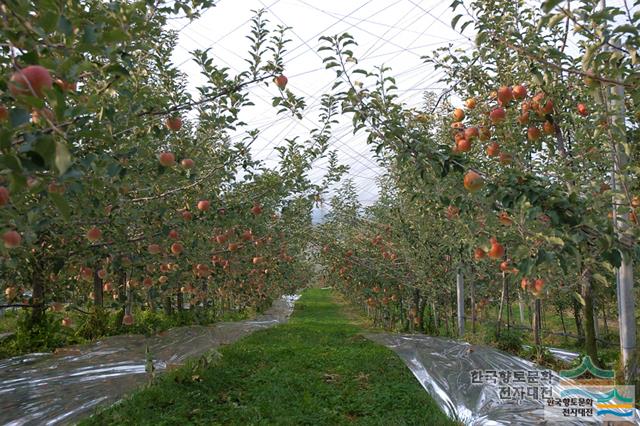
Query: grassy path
[{"x": 315, "y": 370}]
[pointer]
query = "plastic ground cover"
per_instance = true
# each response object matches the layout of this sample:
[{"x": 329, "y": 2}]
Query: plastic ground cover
[
  {"x": 443, "y": 367},
  {"x": 47, "y": 389}
]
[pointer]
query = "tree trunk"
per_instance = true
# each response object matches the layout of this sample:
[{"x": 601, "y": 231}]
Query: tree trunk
[
  {"x": 421, "y": 312},
  {"x": 590, "y": 343},
  {"x": 564, "y": 327},
  {"x": 521, "y": 307},
  {"x": 98, "y": 294},
  {"x": 435, "y": 317},
  {"x": 168, "y": 309},
  {"x": 460, "y": 301},
  {"x": 536, "y": 323},
  {"x": 604, "y": 319},
  {"x": 37, "y": 295},
  {"x": 180, "y": 301},
  {"x": 578, "y": 320},
  {"x": 502, "y": 300},
  {"x": 473, "y": 307}
]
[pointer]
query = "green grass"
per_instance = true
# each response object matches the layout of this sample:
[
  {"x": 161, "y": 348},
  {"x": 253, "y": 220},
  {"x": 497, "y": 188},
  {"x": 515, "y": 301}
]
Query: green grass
[{"x": 316, "y": 370}]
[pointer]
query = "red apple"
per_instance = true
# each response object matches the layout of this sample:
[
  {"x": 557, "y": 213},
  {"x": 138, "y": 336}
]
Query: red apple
[
  {"x": 127, "y": 319},
  {"x": 11, "y": 239},
  {"x": 582, "y": 110},
  {"x": 94, "y": 234},
  {"x": 505, "y": 95},
  {"x": 256, "y": 209},
  {"x": 187, "y": 163},
  {"x": 519, "y": 92},
  {"x": 174, "y": 123},
  {"x": 4, "y": 196},
  {"x": 473, "y": 181},
  {"x": 167, "y": 159},
  {"x": 281, "y": 81},
  {"x": 32, "y": 80},
  {"x": 176, "y": 248},
  {"x": 173, "y": 234},
  {"x": 203, "y": 205},
  {"x": 497, "y": 115},
  {"x": 154, "y": 248}
]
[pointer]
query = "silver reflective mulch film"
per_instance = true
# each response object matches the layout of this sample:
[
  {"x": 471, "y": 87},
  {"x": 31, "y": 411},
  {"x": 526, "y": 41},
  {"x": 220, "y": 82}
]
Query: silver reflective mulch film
[
  {"x": 44, "y": 389},
  {"x": 445, "y": 369}
]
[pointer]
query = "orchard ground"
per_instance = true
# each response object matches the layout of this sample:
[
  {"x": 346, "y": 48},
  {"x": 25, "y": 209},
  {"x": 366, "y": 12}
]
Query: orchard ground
[{"x": 316, "y": 369}]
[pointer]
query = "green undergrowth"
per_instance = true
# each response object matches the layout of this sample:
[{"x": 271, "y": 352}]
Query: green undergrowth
[
  {"x": 49, "y": 334},
  {"x": 314, "y": 370}
]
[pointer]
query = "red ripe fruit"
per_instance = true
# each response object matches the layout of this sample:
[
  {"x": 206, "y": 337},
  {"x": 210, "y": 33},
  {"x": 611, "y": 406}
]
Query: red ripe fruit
[
  {"x": 174, "y": 123},
  {"x": 176, "y": 248},
  {"x": 582, "y": 110},
  {"x": 94, "y": 234},
  {"x": 173, "y": 234},
  {"x": 504, "y": 266},
  {"x": 533, "y": 133},
  {"x": 505, "y": 95},
  {"x": 186, "y": 215},
  {"x": 497, "y": 249},
  {"x": 127, "y": 319},
  {"x": 11, "y": 239},
  {"x": 281, "y": 81},
  {"x": 458, "y": 114},
  {"x": 86, "y": 273},
  {"x": 187, "y": 163},
  {"x": 473, "y": 181},
  {"x": 538, "y": 285},
  {"x": 167, "y": 159},
  {"x": 256, "y": 209},
  {"x": 524, "y": 283},
  {"x": 493, "y": 150},
  {"x": 548, "y": 128},
  {"x": 154, "y": 249},
  {"x": 479, "y": 254},
  {"x": 463, "y": 145},
  {"x": 497, "y": 115},
  {"x": 519, "y": 92},
  {"x": 471, "y": 132},
  {"x": 32, "y": 80},
  {"x": 4, "y": 196},
  {"x": 203, "y": 205}
]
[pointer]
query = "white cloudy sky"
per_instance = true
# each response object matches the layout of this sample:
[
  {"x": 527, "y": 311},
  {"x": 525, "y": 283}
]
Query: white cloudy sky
[{"x": 391, "y": 32}]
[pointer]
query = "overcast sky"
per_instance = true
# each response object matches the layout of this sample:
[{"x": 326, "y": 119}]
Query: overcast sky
[{"x": 391, "y": 32}]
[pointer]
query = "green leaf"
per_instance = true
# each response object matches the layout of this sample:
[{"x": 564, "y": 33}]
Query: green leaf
[
  {"x": 18, "y": 117},
  {"x": 61, "y": 204},
  {"x": 49, "y": 21},
  {"x": 455, "y": 20},
  {"x": 65, "y": 26},
  {"x": 46, "y": 148},
  {"x": 548, "y": 5},
  {"x": 63, "y": 158},
  {"x": 614, "y": 257}
]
